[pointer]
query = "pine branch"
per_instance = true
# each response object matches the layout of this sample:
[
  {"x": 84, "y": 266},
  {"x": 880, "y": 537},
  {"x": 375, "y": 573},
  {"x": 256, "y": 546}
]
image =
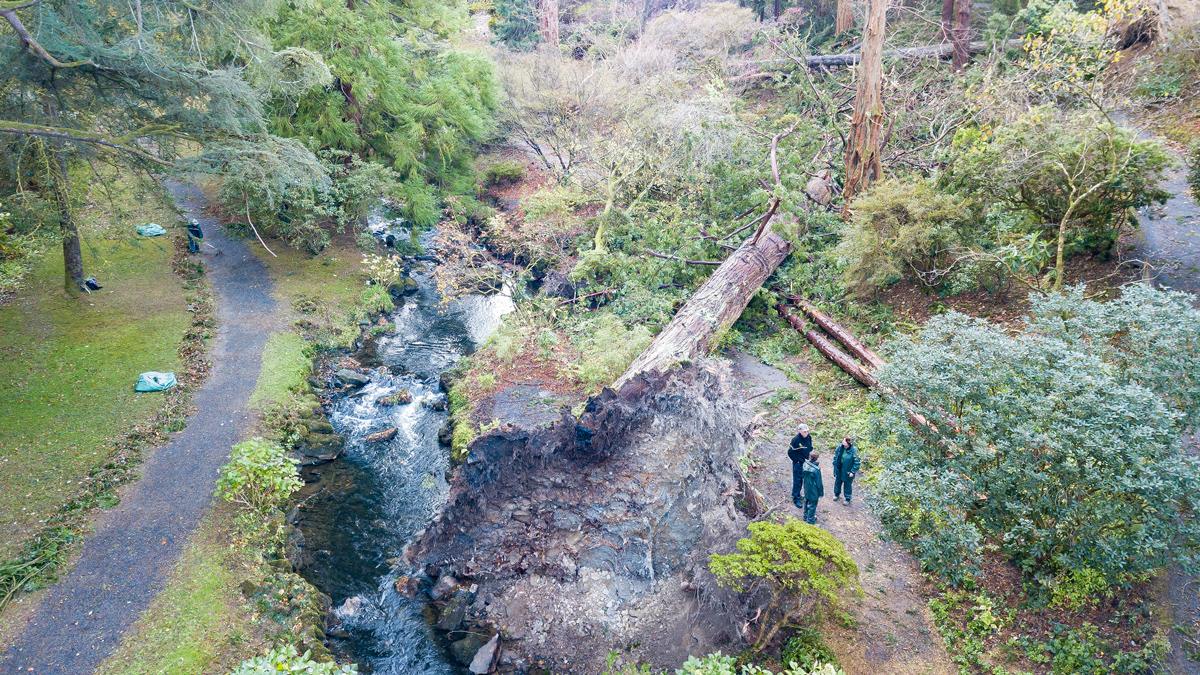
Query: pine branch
[{"x": 10, "y": 14}]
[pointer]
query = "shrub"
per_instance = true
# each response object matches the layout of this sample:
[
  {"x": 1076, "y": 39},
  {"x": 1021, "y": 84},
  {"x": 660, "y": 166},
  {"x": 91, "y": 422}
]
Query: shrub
[
  {"x": 720, "y": 664},
  {"x": 260, "y": 477},
  {"x": 1194, "y": 169},
  {"x": 807, "y": 649},
  {"x": 285, "y": 659},
  {"x": 503, "y": 173},
  {"x": 514, "y": 23},
  {"x": 1060, "y": 444},
  {"x": 801, "y": 565},
  {"x": 902, "y": 229}
]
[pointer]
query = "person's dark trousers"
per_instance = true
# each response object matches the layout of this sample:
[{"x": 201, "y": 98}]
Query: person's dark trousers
[
  {"x": 193, "y": 244},
  {"x": 840, "y": 486},
  {"x": 810, "y": 511},
  {"x": 797, "y": 482}
]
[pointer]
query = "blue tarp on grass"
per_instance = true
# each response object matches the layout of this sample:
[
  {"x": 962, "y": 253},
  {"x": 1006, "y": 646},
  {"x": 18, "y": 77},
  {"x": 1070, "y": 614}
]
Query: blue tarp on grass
[{"x": 152, "y": 381}]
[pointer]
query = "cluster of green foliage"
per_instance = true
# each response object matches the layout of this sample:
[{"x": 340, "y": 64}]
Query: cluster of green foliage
[
  {"x": 1060, "y": 445},
  {"x": 1194, "y": 169},
  {"x": 514, "y": 24},
  {"x": 720, "y": 664},
  {"x": 1080, "y": 649},
  {"x": 606, "y": 348},
  {"x": 259, "y": 477},
  {"x": 503, "y": 172},
  {"x": 801, "y": 566},
  {"x": 967, "y": 635},
  {"x": 398, "y": 96},
  {"x": 287, "y": 660},
  {"x": 807, "y": 649}
]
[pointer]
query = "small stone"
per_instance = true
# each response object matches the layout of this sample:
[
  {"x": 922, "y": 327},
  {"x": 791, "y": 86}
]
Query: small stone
[
  {"x": 444, "y": 588},
  {"x": 380, "y": 436},
  {"x": 351, "y": 378},
  {"x": 436, "y": 403},
  {"x": 485, "y": 658},
  {"x": 446, "y": 434}
]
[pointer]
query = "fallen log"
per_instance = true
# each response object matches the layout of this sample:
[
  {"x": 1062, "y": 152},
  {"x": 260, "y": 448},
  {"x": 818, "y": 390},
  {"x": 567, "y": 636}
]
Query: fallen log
[
  {"x": 828, "y": 349},
  {"x": 851, "y": 343},
  {"x": 714, "y": 307},
  {"x": 942, "y": 51}
]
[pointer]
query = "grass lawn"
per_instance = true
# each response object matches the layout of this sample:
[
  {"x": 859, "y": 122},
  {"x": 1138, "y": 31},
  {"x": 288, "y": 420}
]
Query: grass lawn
[
  {"x": 324, "y": 290},
  {"x": 68, "y": 366},
  {"x": 199, "y": 623},
  {"x": 286, "y": 362}
]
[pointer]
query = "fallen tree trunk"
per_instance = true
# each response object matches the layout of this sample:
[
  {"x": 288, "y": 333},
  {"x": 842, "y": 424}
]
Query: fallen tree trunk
[
  {"x": 714, "y": 307},
  {"x": 942, "y": 51},
  {"x": 840, "y": 334},
  {"x": 831, "y": 352}
]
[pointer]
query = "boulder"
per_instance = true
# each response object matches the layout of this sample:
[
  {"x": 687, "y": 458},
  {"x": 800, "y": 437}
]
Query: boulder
[
  {"x": 451, "y": 618},
  {"x": 464, "y": 650},
  {"x": 381, "y": 436},
  {"x": 444, "y": 587},
  {"x": 396, "y": 398},
  {"x": 485, "y": 658},
  {"x": 351, "y": 378},
  {"x": 318, "y": 426},
  {"x": 557, "y": 285},
  {"x": 437, "y": 403},
  {"x": 318, "y": 448}
]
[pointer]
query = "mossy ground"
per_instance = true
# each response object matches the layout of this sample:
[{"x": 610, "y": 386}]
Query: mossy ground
[
  {"x": 69, "y": 365},
  {"x": 286, "y": 362}
]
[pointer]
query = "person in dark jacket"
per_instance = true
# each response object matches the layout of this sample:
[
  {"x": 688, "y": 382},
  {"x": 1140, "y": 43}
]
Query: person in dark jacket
[
  {"x": 195, "y": 236},
  {"x": 845, "y": 466},
  {"x": 799, "y": 450},
  {"x": 814, "y": 488}
]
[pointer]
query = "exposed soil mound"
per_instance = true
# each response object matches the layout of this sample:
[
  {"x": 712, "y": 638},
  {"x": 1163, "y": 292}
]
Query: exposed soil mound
[{"x": 591, "y": 535}]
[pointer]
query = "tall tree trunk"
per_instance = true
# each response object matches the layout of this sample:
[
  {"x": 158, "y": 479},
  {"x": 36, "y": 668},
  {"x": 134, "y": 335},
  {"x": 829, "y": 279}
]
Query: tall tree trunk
[
  {"x": 845, "y": 16},
  {"x": 947, "y": 20},
  {"x": 548, "y": 21},
  {"x": 55, "y": 161},
  {"x": 866, "y": 126},
  {"x": 962, "y": 34},
  {"x": 714, "y": 307},
  {"x": 778, "y": 6}
]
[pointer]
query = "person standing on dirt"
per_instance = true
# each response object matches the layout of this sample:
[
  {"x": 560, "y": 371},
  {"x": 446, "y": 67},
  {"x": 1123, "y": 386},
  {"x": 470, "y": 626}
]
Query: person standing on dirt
[
  {"x": 799, "y": 450},
  {"x": 195, "y": 236},
  {"x": 814, "y": 487},
  {"x": 845, "y": 466}
]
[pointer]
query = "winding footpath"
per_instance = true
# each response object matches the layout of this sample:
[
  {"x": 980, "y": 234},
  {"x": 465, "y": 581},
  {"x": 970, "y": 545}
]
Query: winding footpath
[{"x": 128, "y": 558}]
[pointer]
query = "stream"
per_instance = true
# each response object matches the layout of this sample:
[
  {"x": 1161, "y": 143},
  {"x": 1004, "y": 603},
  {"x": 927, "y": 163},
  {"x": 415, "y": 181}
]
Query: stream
[{"x": 377, "y": 496}]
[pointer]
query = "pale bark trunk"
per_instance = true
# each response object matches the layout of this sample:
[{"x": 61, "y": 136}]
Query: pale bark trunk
[
  {"x": 866, "y": 125},
  {"x": 548, "y": 21},
  {"x": 844, "y": 20},
  {"x": 714, "y": 307},
  {"x": 962, "y": 34}
]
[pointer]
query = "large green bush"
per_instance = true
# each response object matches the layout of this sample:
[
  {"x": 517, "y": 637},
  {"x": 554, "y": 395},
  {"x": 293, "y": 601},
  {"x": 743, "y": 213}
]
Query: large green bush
[
  {"x": 1060, "y": 444},
  {"x": 260, "y": 476},
  {"x": 1071, "y": 169},
  {"x": 903, "y": 229},
  {"x": 720, "y": 664}
]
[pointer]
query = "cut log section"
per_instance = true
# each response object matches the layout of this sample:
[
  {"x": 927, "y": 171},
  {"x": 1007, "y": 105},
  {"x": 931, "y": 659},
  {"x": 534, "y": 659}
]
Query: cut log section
[
  {"x": 840, "y": 334},
  {"x": 714, "y": 307},
  {"x": 830, "y": 350}
]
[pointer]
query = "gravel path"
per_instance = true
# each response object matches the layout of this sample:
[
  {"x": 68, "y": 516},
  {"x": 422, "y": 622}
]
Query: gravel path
[
  {"x": 893, "y": 632},
  {"x": 126, "y": 561}
]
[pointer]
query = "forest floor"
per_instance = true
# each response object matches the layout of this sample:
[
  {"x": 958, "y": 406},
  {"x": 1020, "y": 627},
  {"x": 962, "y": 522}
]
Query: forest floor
[
  {"x": 125, "y": 562},
  {"x": 889, "y": 629}
]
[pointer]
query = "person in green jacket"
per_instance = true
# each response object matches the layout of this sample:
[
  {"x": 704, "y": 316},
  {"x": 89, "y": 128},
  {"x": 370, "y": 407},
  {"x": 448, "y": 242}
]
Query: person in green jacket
[
  {"x": 814, "y": 487},
  {"x": 845, "y": 466}
]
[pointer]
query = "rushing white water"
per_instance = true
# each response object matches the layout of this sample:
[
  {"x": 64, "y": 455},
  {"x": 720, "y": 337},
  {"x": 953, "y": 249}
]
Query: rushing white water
[{"x": 378, "y": 495}]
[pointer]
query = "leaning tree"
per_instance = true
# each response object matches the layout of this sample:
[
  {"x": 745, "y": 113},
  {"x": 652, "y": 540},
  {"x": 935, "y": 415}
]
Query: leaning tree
[{"x": 133, "y": 81}]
